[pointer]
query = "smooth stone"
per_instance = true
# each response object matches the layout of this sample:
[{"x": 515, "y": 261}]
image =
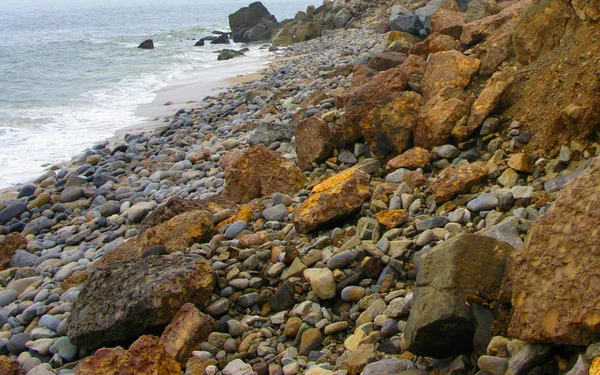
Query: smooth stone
[
  {"x": 446, "y": 151},
  {"x": 50, "y": 322},
  {"x": 435, "y": 222},
  {"x": 341, "y": 260},
  {"x": 16, "y": 344},
  {"x": 277, "y": 213},
  {"x": 353, "y": 293},
  {"x": 138, "y": 211},
  {"x": 7, "y": 296},
  {"x": 347, "y": 157},
  {"x": 12, "y": 211},
  {"x": 64, "y": 349},
  {"x": 235, "y": 228},
  {"x": 483, "y": 202},
  {"x": 322, "y": 282},
  {"x": 21, "y": 284}
]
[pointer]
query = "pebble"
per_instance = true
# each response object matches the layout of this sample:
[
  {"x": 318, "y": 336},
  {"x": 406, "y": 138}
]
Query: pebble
[
  {"x": 278, "y": 212},
  {"x": 483, "y": 202},
  {"x": 235, "y": 228}
]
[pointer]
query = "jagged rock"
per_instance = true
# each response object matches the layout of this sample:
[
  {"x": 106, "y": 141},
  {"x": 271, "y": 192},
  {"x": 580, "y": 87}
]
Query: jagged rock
[
  {"x": 554, "y": 276},
  {"x": 447, "y": 22},
  {"x": 9, "y": 244},
  {"x": 147, "y": 44},
  {"x": 186, "y": 331},
  {"x": 177, "y": 234},
  {"x": 342, "y": 17},
  {"x": 454, "y": 181},
  {"x": 391, "y": 218},
  {"x": 146, "y": 356},
  {"x": 121, "y": 300},
  {"x": 176, "y": 205},
  {"x": 228, "y": 54},
  {"x": 358, "y": 359},
  {"x": 521, "y": 162},
  {"x": 246, "y": 18},
  {"x": 313, "y": 142},
  {"x": 448, "y": 274},
  {"x": 306, "y": 30},
  {"x": 387, "y": 128},
  {"x": 411, "y": 159},
  {"x": 440, "y": 115},
  {"x": 332, "y": 199},
  {"x": 435, "y": 43},
  {"x": 448, "y": 69},
  {"x": 259, "y": 172},
  {"x": 386, "y": 60}
]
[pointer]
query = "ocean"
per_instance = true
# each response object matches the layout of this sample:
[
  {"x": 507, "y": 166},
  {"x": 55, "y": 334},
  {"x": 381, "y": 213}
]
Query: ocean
[{"x": 71, "y": 73}]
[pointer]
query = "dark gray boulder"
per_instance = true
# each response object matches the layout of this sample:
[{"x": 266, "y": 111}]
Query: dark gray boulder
[
  {"x": 245, "y": 19},
  {"x": 267, "y": 133},
  {"x": 147, "y": 44},
  {"x": 12, "y": 211}
]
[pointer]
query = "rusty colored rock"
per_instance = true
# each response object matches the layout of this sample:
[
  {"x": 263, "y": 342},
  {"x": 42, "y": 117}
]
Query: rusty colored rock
[
  {"x": 254, "y": 240},
  {"x": 176, "y": 205},
  {"x": 313, "y": 142},
  {"x": 556, "y": 274},
  {"x": 122, "y": 300},
  {"x": 391, "y": 218},
  {"x": 447, "y": 22},
  {"x": 412, "y": 159},
  {"x": 177, "y": 234},
  {"x": 448, "y": 69},
  {"x": 358, "y": 359},
  {"x": 415, "y": 179},
  {"x": 521, "y": 162},
  {"x": 9, "y": 244},
  {"x": 386, "y": 60},
  {"x": 229, "y": 158},
  {"x": 187, "y": 330},
  {"x": 435, "y": 43},
  {"x": 146, "y": 356},
  {"x": 261, "y": 172},
  {"x": 387, "y": 128},
  {"x": 197, "y": 366},
  {"x": 454, "y": 181},
  {"x": 440, "y": 115},
  {"x": 485, "y": 103},
  {"x": 333, "y": 199},
  {"x": 362, "y": 74},
  {"x": 9, "y": 366}
]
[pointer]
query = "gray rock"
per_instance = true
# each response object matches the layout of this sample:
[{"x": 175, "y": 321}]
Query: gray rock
[
  {"x": 50, "y": 322},
  {"x": 235, "y": 228},
  {"x": 72, "y": 194},
  {"x": 341, "y": 260},
  {"x": 489, "y": 126},
  {"x": 16, "y": 344},
  {"x": 483, "y": 202},
  {"x": 388, "y": 366},
  {"x": 447, "y": 151},
  {"x": 139, "y": 210},
  {"x": 278, "y": 212},
  {"x": 505, "y": 231},
  {"x": 435, "y": 222},
  {"x": 63, "y": 347},
  {"x": 527, "y": 358},
  {"x": 342, "y": 17},
  {"x": 12, "y": 211},
  {"x": 8, "y": 296},
  {"x": 493, "y": 365},
  {"x": 268, "y": 133},
  {"x": 235, "y": 328}
]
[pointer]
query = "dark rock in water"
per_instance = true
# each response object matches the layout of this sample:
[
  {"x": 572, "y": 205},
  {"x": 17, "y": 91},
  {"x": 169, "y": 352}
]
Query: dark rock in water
[
  {"x": 221, "y": 39},
  {"x": 199, "y": 43},
  {"x": 154, "y": 250},
  {"x": 26, "y": 191},
  {"x": 147, "y": 44},
  {"x": 245, "y": 19},
  {"x": 228, "y": 54},
  {"x": 122, "y": 300},
  {"x": 12, "y": 211}
]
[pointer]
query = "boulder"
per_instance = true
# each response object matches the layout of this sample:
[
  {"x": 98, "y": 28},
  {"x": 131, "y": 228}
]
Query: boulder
[
  {"x": 259, "y": 172},
  {"x": 313, "y": 142},
  {"x": 405, "y": 21},
  {"x": 147, "y": 44},
  {"x": 342, "y": 17},
  {"x": 282, "y": 38},
  {"x": 387, "y": 129},
  {"x": 177, "y": 234},
  {"x": 441, "y": 322},
  {"x": 146, "y": 356},
  {"x": 337, "y": 197},
  {"x": 448, "y": 109},
  {"x": 555, "y": 275},
  {"x": 176, "y": 205},
  {"x": 9, "y": 244},
  {"x": 228, "y": 54},
  {"x": 448, "y": 69},
  {"x": 412, "y": 159},
  {"x": 447, "y": 22},
  {"x": 454, "y": 181},
  {"x": 122, "y": 300},
  {"x": 386, "y": 60},
  {"x": 13, "y": 211},
  {"x": 186, "y": 331},
  {"x": 246, "y": 18},
  {"x": 270, "y": 132},
  {"x": 306, "y": 30}
]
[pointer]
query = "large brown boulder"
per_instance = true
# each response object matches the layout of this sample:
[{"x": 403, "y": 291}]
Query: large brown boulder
[
  {"x": 122, "y": 300},
  {"x": 454, "y": 181},
  {"x": 259, "y": 172},
  {"x": 556, "y": 276},
  {"x": 9, "y": 366},
  {"x": 387, "y": 129},
  {"x": 188, "y": 329},
  {"x": 332, "y": 199},
  {"x": 313, "y": 142},
  {"x": 146, "y": 356},
  {"x": 448, "y": 69},
  {"x": 177, "y": 234},
  {"x": 447, "y": 22},
  {"x": 9, "y": 244},
  {"x": 440, "y": 115},
  {"x": 441, "y": 323}
]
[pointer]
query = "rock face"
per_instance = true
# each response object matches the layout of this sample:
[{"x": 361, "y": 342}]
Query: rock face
[
  {"x": 121, "y": 300},
  {"x": 146, "y": 356},
  {"x": 457, "y": 180},
  {"x": 556, "y": 274},
  {"x": 313, "y": 142},
  {"x": 334, "y": 198},
  {"x": 177, "y": 234},
  {"x": 387, "y": 129},
  {"x": 440, "y": 323},
  {"x": 259, "y": 172},
  {"x": 8, "y": 246},
  {"x": 244, "y": 21},
  {"x": 448, "y": 69}
]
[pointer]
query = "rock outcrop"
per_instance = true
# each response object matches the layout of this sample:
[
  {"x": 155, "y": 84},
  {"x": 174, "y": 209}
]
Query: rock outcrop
[{"x": 252, "y": 23}]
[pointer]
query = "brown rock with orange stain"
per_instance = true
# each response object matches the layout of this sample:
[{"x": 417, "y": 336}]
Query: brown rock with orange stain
[
  {"x": 9, "y": 366},
  {"x": 176, "y": 205},
  {"x": 391, "y": 218},
  {"x": 254, "y": 239},
  {"x": 229, "y": 157},
  {"x": 362, "y": 74},
  {"x": 485, "y": 103},
  {"x": 435, "y": 43},
  {"x": 556, "y": 275},
  {"x": 595, "y": 367},
  {"x": 177, "y": 234},
  {"x": 415, "y": 179},
  {"x": 455, "y": 181},
  {"x": 259, "y": 172},
  {"x": 332, "y": 199},
  {"x": 187, "y": 330},
  {"x": 386, "y": 60},
  {"x": 8, "y": 246},
  {"x": 448, "y": 69},
  {"x": 387, "y": 128},
  {"x": 440, "y": 115},
  {"x": 521, "y": 162},
  {"x": 245, "y": 213},
  {"x": 447, "y": 22},
  {"x": 146, "y": 356},
  {"x": 412, "y": 159},
  {"x": 197, "y": 366},
  {"x": 197, "y": 156},
  {"x": 313, "y": 142}
]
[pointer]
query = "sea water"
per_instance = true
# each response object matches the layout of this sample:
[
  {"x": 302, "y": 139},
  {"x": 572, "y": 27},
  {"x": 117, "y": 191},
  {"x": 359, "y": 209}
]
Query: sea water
[{"x": 71, "y": 73}]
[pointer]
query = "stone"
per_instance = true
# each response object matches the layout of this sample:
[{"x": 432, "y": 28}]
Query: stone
[
  {"x": 391, "y": 218},
  {"x": 16, "y": 344},
  {"x": 386, "y": 60},
  {"x": 342, "y": 17},
  {"x": 63, "y": 347},
  {"x": 235, "y": 228},
  {"x": 454, "y": 181},
  {"x": 13, "y": 211},
  {"x": 146, "y": 44},
  {"x": 237, "y": 367},
  {"x": 447, "y": 275},
  {"x": 446, "y": 151},
  {"x": 72, "y": 194},
  {"x": 508, "y": 178},
  {"x": 448, "y": 69},
  {"x": 292, "y": 326},
  {"x": 9, "y": 366},
  {"x": 521, "y": 162},
  {"x": 505, "y": 231},
  {"x": 278, "y": 212},
  {"x": 186, "y": 331},
  {"x": 39, "y": 201},
  {"x": 228, "y": 54},
  {"x": 176, "y": 205},
  {"x": 447, "y": 22},
  {"x": 414, "y": 158},
  {"x": 146, "y": 355},
  {"x": 387, "y": 366},
  {"x": 332, "y": 199},
  {"x": 358, "y": 359},
  {"x": 313, "y": 142},
  {"x": 493, "y": 365},
  {"x": 246, "y": 18},
  {"x": 269, "y": 132},
  {"x": 248, "y": 179},
  {"x": 8, "y": 296},
  {"x": 341, "y": 260},
  {"x": 555, "y": 272},
  {"x": 9, "y": 244},
  {"x": 322, "y": 282},
  {"x": 137, "y": 295},
  {"x": 449, "y": 108},
  {"x": 528, "y": 357},
  {"x": 283, "y": 298},
  {"x": 483, "y": 202},
  {"x": 139, "y": 210},
  {"x": 177, "y": 234},
  {"x": 387, "y": 128}
]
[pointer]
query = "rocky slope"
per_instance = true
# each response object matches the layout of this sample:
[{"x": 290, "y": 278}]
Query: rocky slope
[{"x": 377, "y": 203}]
